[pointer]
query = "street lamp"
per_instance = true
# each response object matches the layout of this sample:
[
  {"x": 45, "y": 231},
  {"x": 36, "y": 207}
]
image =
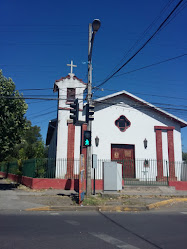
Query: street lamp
[{"x": 93, "y": 28}]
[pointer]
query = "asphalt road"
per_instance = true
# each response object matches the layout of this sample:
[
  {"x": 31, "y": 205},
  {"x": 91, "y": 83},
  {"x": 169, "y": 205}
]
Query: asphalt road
[{"x": 56, "y": 230}]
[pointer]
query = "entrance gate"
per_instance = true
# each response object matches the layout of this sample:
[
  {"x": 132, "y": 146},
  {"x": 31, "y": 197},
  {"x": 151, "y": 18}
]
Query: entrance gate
[{"x": 140, "y": 171}]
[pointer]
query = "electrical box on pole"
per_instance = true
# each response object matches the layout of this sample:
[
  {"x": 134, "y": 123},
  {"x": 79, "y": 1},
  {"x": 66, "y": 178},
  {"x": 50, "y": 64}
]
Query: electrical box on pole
[
  {"x": 87, "y": 138},
  {"x": 75, "y": 111},
  {"x": 89, "y": 113}
]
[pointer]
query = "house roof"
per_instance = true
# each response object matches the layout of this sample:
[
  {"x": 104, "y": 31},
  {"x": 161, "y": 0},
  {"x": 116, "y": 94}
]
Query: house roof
[
  {"x": 50, "y": 131},
  {"x": 143, "y": 103}
]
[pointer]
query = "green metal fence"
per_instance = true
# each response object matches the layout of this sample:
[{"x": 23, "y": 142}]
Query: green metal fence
[
  {"x": 148, "y": 171},
  {"x": 10, "y": 167},
  {"x": 39, "y": 168},
  {"x": 134, "y": 172},
  {"x": 36, "y": 168}
]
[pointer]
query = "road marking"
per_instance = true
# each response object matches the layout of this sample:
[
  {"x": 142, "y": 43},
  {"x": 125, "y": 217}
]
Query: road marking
[
  {"x": 73, "y": 222},
  {"x": 111, "y": 240},
  {"x": 54, "y": 213},
  {"x": 183, "y": 212}
]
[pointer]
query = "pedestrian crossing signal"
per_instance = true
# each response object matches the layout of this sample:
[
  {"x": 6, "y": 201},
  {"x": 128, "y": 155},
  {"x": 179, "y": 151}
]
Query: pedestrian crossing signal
[{"x": 87, "y": 138}]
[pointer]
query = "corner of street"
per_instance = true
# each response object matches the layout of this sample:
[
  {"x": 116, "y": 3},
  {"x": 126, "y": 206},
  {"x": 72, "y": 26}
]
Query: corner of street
[{"x": 18, "y": 197}]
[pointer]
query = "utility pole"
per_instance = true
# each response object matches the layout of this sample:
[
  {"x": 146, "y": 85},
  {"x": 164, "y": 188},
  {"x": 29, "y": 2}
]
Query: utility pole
[{"x": 93, "y": 28}]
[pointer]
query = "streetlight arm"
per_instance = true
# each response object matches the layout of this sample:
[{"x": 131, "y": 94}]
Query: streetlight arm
[{"x": 91, "y": 47}]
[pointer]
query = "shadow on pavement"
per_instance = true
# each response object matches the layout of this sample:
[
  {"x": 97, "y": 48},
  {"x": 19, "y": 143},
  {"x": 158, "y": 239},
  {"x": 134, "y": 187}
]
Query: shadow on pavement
[
  {"x": 74, "y": 197},
  {"x": 7, "y": 186}
]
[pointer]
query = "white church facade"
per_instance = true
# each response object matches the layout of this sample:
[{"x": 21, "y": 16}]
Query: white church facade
[{"x": 146, "y": 139}]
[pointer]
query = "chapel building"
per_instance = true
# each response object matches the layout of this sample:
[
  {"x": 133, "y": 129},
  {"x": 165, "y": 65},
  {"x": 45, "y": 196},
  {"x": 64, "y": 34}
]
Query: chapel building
[{"x": 125, "y": 128}]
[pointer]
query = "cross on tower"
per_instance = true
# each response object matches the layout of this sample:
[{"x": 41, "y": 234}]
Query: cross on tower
[{"x": 71, "y": 65}]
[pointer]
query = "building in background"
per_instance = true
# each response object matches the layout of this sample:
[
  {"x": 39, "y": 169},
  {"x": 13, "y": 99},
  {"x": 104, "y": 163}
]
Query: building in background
[{"x": 125, "y": 128}]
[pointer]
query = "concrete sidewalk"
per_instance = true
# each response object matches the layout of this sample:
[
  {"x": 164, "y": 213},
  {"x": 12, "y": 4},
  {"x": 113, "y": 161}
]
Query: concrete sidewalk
[{"x": 19, "y": 197}]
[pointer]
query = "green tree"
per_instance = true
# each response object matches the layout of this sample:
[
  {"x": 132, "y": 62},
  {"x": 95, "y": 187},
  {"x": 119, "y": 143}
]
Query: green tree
[
  {"x": 32, "y": 145},
  {"x": 12, "y": 119}
]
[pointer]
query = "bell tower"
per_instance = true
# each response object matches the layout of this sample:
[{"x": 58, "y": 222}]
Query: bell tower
[{"x": 68, "y": 135}]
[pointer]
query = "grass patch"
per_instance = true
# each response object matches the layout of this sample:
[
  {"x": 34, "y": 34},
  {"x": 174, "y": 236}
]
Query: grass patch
[{"x": 93, "y": 201}]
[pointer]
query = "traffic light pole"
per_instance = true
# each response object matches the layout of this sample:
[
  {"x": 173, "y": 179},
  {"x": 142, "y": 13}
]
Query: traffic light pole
[{"x": 89, "y": 125}]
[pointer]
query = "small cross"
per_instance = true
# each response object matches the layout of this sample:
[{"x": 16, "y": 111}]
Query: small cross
[{"x": 71, "y": 65}]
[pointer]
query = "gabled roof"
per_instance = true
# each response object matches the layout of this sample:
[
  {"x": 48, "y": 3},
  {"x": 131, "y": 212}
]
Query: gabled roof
[
  {"x": 143, "y": 103},
  {"x": 55, "y": 88}
]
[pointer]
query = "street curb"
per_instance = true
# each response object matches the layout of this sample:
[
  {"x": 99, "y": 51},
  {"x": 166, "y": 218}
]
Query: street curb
[
  {"x": 89, "y": 208},
  {"x": 165, "y": 202},
  {"x": 109, "y": 208},
  {"x": 64, "y": 208}
]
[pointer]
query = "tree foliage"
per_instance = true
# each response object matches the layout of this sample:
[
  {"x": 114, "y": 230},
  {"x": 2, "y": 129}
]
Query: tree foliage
[
  {"x": 32, "y": 145},
  {"x": 12, "y": 119}
]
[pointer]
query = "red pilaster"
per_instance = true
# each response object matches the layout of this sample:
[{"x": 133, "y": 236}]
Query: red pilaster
[
  {"x": 83, "y": 149},
  {"x": 159, "y": 153},
  {"x": 171, "y": 156},
  {"x": 70, "y": 150}
]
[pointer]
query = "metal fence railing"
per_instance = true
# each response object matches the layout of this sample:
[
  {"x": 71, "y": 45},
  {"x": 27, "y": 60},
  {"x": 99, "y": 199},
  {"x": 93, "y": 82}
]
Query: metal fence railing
[{"x": 134, "y": 172}]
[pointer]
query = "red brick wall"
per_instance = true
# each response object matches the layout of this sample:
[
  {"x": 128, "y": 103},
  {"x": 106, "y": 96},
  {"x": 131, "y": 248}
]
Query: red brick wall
[{"x": 84, "y": 149}]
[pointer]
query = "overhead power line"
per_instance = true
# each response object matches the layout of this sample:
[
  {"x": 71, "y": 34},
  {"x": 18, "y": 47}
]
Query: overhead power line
[
  {"x": 182, "y": 7},
  {"x": 147, "y": 94},
  {"x": 151, "y": 65},
  {"x": 141, "y": 106},
  {"x": 152, "y": 36},
  {"x": 143, "y": 34},
  {"x": 36, "y": 89}
]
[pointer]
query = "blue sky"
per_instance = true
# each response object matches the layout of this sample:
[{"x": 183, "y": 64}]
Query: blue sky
[{"x": 38, "y": 39}]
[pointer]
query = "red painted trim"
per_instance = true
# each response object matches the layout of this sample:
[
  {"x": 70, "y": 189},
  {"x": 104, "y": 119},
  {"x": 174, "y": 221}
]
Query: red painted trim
[
  {"x": 27, "y": 181},
  {"x": 84, "y": 149},
  {"x": 3, "y": 174},
  {"x": 178, "y": 185},
  {"x": 171, "y": 156},
  {"x": 70, "y": 150},
  {"x": 164, "y": 128},
  {"x": 68, "y": 77},
  {"x": 66, "y": 184},
  {"x": 46, "y": 183},
  {"x": 67, "y": 108},
  {"x": 159, "y": 154}
]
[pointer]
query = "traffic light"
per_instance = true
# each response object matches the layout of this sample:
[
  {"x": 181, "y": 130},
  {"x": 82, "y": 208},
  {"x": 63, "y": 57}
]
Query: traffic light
[
  {"x": 75, "y": 111},
  {"x": 89, "y": 113},
  {"x": 87, "y": 138}
]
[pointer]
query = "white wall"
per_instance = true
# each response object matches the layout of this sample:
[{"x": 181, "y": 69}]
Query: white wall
[
  {"x": 142, "y": 121},
  {"x": 62, "y": 130}
]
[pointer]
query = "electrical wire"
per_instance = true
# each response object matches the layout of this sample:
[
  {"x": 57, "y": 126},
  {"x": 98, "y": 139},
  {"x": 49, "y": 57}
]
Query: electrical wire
[
  {"x": 142, "y": 35},
  {"x": 151, "y": 37},
  {"x": 147, "y": 94},
  {"x": 147, "y": 66}
]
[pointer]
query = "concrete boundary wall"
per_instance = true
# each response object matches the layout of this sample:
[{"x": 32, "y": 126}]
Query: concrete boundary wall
[
  {"x": 178, "y": 185},
  {"x": 69, "y": 184},
  {"x": 46, "y": 183}
]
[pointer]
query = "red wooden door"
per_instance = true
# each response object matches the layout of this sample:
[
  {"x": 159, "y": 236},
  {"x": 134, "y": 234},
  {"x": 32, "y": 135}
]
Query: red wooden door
[{"x": 124, "y": 153}]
